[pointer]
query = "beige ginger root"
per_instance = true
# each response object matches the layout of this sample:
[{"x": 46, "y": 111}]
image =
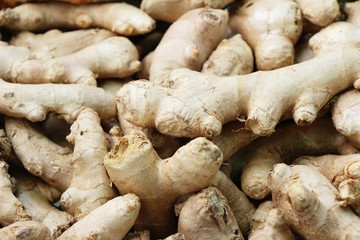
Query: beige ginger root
[
  {"x": 34, "y": 102},
  {"x": 37, "y": 198},
  {"x": 188, "y": 43},
  {"x": 113, "y": 57},
  {"x": 170, "y": 10},
  {"x": 232, "y": 56},
  {"x": 110, "y": 221},
  {"x": 207, "y": 215},
  {"x": 134, "y": 167},
  {"x": 25, "y": 230},
  {"x": 269, "y": 223},
  {"x": 13, "y": 3},
  {"x": 198, "y": 104},
  {"x": 352, "y": 10},
  {"x": 55, "y": 43},
  {"x": 11, "y": 209},
  {"x": 308, "y": 201},
  {"x": 121, "y": 18}
]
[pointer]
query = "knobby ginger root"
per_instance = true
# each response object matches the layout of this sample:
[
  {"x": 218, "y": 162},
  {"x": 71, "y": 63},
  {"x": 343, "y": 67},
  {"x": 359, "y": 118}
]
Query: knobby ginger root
[
  {"x": 207, "y": 215},
  {"x": 13, "y": 3},
  {"x": 111, "y": 220},
  {"x": 6, "y": 152},
  {"x": 176, "y": 236},
  {"x": 11, "y": 209},
  {"x": 113, "y": 57},
  {"x": 35, "y": 101},
  {"x": 120, "y": 18},
  {"x": 134, "y": 167},
  {"x": 232, "y": 56},
  {"x": 138, "y": 235},
  {"x": 25, "y": 230},
  {"x": 352, "y": 10},
  {"x": 188, "y": 43},
  {"x": 271, "y": 28},
  {"x": 286, "y": 144},
  {"x": 308, "y": 201},
  {"x": 38, "y": 197},
  {"x": 269, "y": 223},
  {"x": 170, "y": 11},
  {"x": 144, "y": 73},
  {"x": 55, "y": 43},
  {"x": 198, "y": 104}
]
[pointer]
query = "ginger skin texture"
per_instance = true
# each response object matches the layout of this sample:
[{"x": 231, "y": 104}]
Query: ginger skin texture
[
  {"x": 25, "y": 230},
  {"x": 352, "y": 10},
  {"x": 190, "y": 169},
  {"x": 170, "y": 11},
  {"x": 207, "y": 215},
  {"x": 113, "y": 57},
  {"x": 198, "y": 104},
  {"x": 34, "y": 102},
  {"x": 110, "y": 221},
  {"x": 271, "y": 28},
  {"x": 120, "y": 18},
  {"x": 308, "y": 201},
  {"x": 190, "y": 40}
]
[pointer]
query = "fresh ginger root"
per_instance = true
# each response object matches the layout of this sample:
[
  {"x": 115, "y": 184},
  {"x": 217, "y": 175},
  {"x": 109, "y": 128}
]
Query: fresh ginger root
[
  {"x": 271, "y": 28},
  {"x": 308, "y": 201},
  {"x": 120, "y": 18},
  {"x": 170, "y": 10},
  {"x": 176, "y": 236},
  {"x": 110, "y": 221},
  {"x": 25, "y": 230},
  {"x": 287, "y": 143},
  {"x": 352, "y": 10},
  {"x": 320, "y": 13},
  {"x": 55, "y": 43},
  {"x": 11, "y": 209},
  {"x": 138, "y": 235},
  {"x": 37, "y": 198},
  {"x": 67, "y": 100},
  {"x": 134, "y": 167},
  {"x": 198, "y": 104},
  {"x": 232, "y": 56},
  {"x": 207, "y": 215},
  {"x": 13, "y": 3},
  {"x": 113, "y": 57},
  {"x": 269, "y": 223},
  {"x": 188, "y": 43}
]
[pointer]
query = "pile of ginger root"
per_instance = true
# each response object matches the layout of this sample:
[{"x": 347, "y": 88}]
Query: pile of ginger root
[{"x": 180, "y": 119}]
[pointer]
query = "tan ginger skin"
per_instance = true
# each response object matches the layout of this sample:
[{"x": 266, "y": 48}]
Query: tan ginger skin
[
  {"x": 111, "y": 220},
  {"x": 294, "y": 91},
  {"x": 121, "y": 18},
  {"x": 13, "y": 3},
  {"x": 190, "y": 169},
  {"x": 11, "y": 209},
  {"x": 170, "y": 11},
  {"x": 269, "y": 223},
  {"x": 352, "y": 10},
  {"x": 85, "y": 66},
  {"x": 34, "y": 102},
  {"x": 285, "y": 145},
  {"x": 309, "y": 203},
  {"x": 207, "y": 215},
  {"x": 190, "y": 40},
  {"x": 271, "y": 28},
  {"x": 232, "y": 56},
  {"x": 80, "y": 173},
  {"x": 25, "y": 230},
  {"x": 38, "y": 197},
  {"x": 55, "y": 43}
]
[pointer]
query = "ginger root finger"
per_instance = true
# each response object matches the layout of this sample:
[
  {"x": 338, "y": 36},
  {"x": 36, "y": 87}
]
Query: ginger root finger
[
  {"x": 25, "y": 230},
  {"x": 352, "y": 10}
]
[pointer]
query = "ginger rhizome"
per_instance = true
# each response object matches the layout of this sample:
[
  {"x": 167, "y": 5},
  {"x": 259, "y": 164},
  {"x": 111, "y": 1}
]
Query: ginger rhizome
[
  {"x": 352, "y": 10},
  {"x": 198, "y": 105},
  {"x": 232, "y": 56},
  {"x": 309, "y": 203},
  {"x": 55, "y": 43},
  {"x": 113, "y": 57},
  {"x": 188, "y": 43},
  {"x": 190, "y": 169},
  {"x": 170, "y": 11},
  {"x": 120, "y": 18},
  {"x": 207, "y": 215},
  {"x": 271, "y": 28},
  {"x": 25, "y": 230},
  {"x": 111, "y": 221}
]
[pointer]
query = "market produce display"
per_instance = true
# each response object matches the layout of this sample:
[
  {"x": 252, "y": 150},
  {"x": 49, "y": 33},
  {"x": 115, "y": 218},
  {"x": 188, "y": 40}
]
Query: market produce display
[{"x": 180, "y": 119}]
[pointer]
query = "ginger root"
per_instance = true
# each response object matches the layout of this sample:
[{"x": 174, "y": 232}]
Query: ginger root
[
  {"x": 25, "y": 230},
  {"x": 352, "y": 10},
  {"x": 198, "y": 104},
  {"x": 120, "y": 18}
]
